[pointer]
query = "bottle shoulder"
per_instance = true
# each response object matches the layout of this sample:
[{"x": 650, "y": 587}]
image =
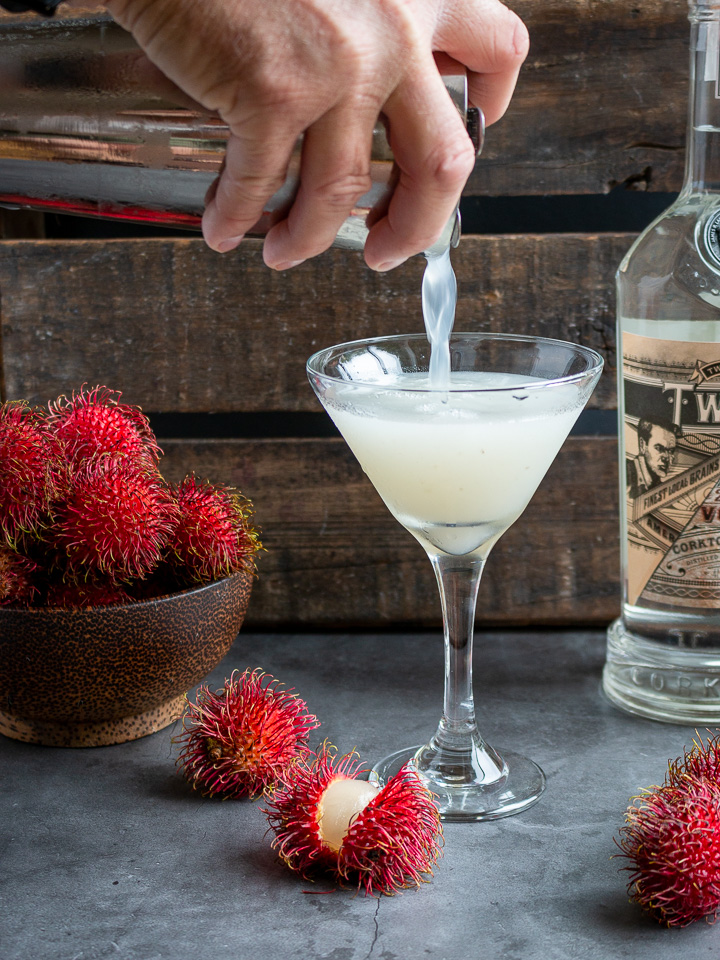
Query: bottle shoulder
[
  {"x": 672, "y": 270},
  {"x": 676, "y": 225}
]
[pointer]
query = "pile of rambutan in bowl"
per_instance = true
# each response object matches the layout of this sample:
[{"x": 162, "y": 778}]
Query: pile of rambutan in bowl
[{"x": 118, "y": 590}]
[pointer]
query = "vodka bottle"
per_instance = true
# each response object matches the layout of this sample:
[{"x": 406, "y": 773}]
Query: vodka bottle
[{"x": 663, "y": 656}]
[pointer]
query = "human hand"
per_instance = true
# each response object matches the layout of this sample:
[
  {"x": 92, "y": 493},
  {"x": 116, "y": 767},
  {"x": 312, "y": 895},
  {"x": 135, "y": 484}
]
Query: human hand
[{"x": 278, "y": 69}]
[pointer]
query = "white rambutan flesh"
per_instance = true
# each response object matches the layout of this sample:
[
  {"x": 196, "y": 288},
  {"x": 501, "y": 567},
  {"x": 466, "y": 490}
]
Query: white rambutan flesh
[{"x": 340, "y": 804}]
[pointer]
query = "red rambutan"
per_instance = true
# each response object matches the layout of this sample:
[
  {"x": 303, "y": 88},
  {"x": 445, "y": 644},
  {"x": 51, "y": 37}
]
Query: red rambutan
[
  {"x": 88, "y": 593},
  {"x": 27, "y": 483},
  {"x": 672, "y": 839},
  {"x": 213, "y": 538},
  {"x": 94, "y": 423},
  {"x": 240, "y": 740},
  {"x": 17, "y": 578},
  {"x": 701, "y": 761},
  {"x": 82, "y": 496},
  {"x": 116, "y": 520},
  {"x": 379, "y": 839}
]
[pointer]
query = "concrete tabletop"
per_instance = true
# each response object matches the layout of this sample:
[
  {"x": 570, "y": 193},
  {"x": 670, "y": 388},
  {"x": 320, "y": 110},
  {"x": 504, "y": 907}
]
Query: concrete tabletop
[{"x": 107, "y": 853}]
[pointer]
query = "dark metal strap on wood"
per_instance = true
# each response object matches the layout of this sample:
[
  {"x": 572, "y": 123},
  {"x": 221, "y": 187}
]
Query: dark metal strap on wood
[{"x": 45, "y": 7}]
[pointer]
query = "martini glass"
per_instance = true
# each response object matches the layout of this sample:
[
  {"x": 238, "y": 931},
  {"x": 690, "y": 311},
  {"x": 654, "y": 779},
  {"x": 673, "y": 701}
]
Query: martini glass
[{"x": 456, "y": 465}]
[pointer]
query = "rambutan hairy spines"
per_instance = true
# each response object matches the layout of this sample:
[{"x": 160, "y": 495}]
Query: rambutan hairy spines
[
  {"x": 392, "y": 835},
  {"x": 239, "y": 741},
  {"x": 116, "y": 520},
  {"x": 396, "y": 840},
  {"x": 701, "y": 761},
  {"x": 27, "y": 472},
  {"x": 88, "y": 593},
  {"x": 672, "y": 839},
  {"x": 17, "y": 578},
  {"x": 82, "y": 496},
  {"x": 94, "y": 423},
  {"x": 214, "y": 537}
]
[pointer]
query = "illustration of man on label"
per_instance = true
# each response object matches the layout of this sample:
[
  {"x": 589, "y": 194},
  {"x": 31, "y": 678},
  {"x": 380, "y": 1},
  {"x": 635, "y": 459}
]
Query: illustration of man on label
[{"x": 657, "y": 441}]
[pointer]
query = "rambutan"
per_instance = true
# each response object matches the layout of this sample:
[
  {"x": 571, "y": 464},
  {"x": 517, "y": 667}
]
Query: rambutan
[
  {"x": 379, "y": 839},
  {"x": 672, "y": 839},
  {"x": 27, "y": 482},
  {"x": 240, "y": 740},
  {"x": 94, "y": 423},
  {"x": 87, "y": 593},
  {"x": 701, "y": 761},
  {"x": 214, "y": 537},
  {"x": 82, "y": 496},
  {"x": 116, "y": 520},
  {"x": 17, "y": 578}
]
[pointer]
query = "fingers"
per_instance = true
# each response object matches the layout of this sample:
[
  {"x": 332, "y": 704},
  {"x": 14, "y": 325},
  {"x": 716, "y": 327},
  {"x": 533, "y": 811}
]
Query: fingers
[
  {"x": 493, "y": 43},
  {"x": 434, "y": 156},
  {"x": 255, "y": 168},
  {"x": 334, "y": 174}
]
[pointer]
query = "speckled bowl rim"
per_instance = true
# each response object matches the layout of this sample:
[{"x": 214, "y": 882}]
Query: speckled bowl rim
[{"x": 133, "y": 604}]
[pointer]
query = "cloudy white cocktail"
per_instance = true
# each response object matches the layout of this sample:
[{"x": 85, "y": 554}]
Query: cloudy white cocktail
[
  {"x": 457, "y": 465},
  {"x": 456, "y": 468}
]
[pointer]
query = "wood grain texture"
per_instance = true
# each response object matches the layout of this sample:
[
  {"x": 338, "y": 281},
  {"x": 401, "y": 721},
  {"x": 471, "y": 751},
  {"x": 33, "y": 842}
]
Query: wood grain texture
[
  {"x": 601, "y": 100},
  {"x": 336, "y": 557},
  {"x": 177, "y": 327}
]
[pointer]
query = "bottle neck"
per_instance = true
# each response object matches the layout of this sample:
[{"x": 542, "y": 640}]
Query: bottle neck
[{"x": 702, "y": 168}]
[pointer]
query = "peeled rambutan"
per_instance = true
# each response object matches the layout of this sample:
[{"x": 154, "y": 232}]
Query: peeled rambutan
[
  {"x": 379, "y": 839},
  {"x": 94, "y": 423},
  {"x": 214, "y": 537},
  {"x": 17, "y": 578},
  {"x": 240, "y": 740},
  {"x": 672, "y": 839},
  {"x": 116, "y": 520},
  {"x": 27, "y": 482}
]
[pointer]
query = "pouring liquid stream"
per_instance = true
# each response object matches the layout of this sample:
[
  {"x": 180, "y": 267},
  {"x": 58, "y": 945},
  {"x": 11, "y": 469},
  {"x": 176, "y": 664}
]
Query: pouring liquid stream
[{"x": 439, "y": 297}]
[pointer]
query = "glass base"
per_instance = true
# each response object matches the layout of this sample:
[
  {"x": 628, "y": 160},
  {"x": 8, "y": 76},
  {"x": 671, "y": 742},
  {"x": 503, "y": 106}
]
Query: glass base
[
  {"x": 519, "y": 785},
  {"x": 661, "y": 681}
]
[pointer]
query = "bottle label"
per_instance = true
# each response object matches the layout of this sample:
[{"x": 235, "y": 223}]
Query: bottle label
[
  {"x": 711, "y": 235},
  {"x": 672, "y": 461}
]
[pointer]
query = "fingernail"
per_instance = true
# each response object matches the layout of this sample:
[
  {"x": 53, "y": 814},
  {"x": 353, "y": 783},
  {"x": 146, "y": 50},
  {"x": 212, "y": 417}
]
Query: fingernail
[
  {"x": 287, "y": 264},
  {"x": 226, "y": 245},
  {"x": 390, "y": 265}
]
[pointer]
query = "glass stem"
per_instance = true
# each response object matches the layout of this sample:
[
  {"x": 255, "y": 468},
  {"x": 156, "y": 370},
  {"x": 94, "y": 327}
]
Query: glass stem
[
  {"x": 457, "y": 752},
  {"x": 458, "y": 580}
]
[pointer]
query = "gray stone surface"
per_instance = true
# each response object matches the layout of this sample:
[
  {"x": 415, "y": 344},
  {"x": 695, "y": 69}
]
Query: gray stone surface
[{"x": 106, "y": 853}]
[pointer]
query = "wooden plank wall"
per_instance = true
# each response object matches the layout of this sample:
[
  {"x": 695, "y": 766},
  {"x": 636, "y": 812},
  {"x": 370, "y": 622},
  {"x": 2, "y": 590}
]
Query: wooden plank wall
[{"x": 180, "y": 329}]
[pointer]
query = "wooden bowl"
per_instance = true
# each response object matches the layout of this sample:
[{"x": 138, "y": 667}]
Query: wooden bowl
[{"x": 101, "y": 675}]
